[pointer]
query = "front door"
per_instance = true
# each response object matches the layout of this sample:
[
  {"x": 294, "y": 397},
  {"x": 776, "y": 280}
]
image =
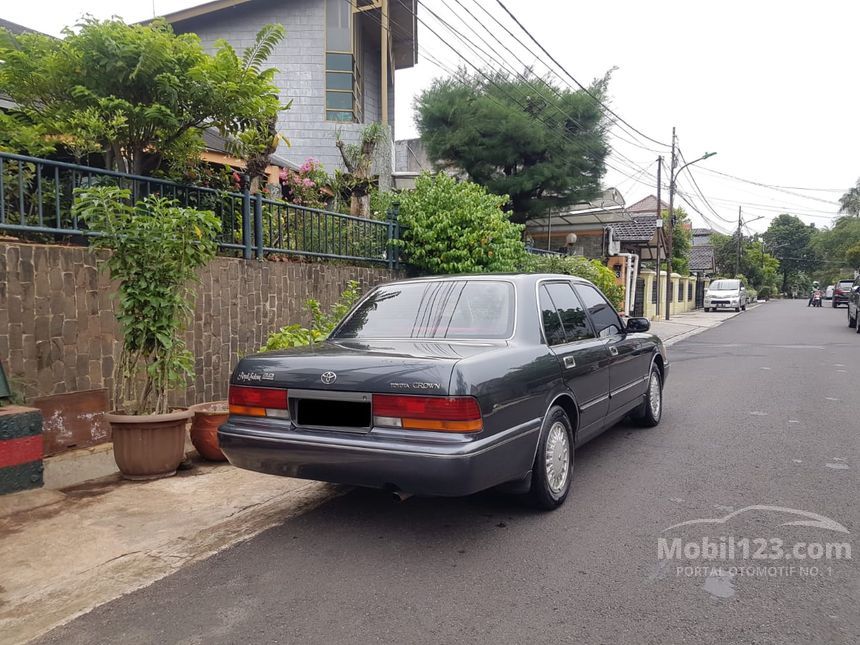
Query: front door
[
  {"x": 630, "y": 353},
  {"x": 583, "y": 357}
]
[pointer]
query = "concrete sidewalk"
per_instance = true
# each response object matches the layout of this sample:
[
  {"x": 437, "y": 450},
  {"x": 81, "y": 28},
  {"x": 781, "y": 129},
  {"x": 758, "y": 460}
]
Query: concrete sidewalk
[
  {"x": 681, "y": 326},
  {"x": 63, "y": 553}
]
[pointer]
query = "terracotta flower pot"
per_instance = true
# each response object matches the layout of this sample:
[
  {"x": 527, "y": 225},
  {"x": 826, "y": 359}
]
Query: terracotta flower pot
[
  {"x": 148, "y": 446},
  {"x": 204, "y": 428}
]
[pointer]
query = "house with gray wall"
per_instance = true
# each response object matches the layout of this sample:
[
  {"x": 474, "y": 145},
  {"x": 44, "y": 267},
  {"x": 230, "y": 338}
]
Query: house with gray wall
[{"x": 336, "y": 64}]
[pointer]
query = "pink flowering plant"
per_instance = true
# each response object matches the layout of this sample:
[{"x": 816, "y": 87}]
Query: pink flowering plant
[{"x": 307, "y": 186}]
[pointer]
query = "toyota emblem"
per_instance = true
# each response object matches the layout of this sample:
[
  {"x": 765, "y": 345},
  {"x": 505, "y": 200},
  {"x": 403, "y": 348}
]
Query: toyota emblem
[{"x": 328, "y": 377}]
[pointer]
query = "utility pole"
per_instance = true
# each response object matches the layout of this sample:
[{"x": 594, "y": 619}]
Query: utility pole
[
  {"x": 670, "y": 227},
  {"x": 738, "y": 257},
  {"x": 659, "y": 229}
]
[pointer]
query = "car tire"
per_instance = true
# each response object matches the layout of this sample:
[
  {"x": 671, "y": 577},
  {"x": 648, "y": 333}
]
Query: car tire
[
  {"x": 743, "y": 307},
  {"x": 834, "y": 304},
  {"x": 553, "y": 466},
  {"x": 852, "y": 322},
  {"x": 738, "y": 309},
  {"x": 650, "y": 412}
]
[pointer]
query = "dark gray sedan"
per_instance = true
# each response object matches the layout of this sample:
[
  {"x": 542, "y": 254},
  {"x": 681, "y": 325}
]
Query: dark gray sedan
[{"x": 449, "y": 386}]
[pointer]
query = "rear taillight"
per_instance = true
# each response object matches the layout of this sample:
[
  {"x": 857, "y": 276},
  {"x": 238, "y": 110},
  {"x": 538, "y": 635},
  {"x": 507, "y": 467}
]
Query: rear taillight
[
  {"x": 438, "y": 413},
  {"x": 259, "y": 402}
]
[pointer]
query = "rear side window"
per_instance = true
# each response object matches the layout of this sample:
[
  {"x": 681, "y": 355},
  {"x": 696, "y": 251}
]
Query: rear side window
[
  {"x": 552, "y": 328},
  {"x": 455, "y": 309},
  {"x": 570, "y": 310},
  {"x": 606, "y": 321}
]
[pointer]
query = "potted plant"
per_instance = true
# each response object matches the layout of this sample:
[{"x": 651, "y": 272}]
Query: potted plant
[
  {"x": 156, "y": 248},
  {"x": 204, "y": 428}
]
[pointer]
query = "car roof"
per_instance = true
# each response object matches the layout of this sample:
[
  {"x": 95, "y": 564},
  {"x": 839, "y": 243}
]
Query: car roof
[{"x": 517, "y": 278}]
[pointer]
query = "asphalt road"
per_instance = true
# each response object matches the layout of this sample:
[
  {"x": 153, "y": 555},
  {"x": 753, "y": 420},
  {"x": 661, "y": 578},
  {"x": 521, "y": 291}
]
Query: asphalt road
[{"x": 760, "y": 411}]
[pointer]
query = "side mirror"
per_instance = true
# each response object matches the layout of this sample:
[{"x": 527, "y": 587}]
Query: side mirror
[
  {"x": 637, "y": 325},
  {"x": 856, "y": 289}
]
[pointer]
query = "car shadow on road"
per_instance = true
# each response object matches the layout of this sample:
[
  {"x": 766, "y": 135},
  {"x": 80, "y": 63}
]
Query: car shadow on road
[{"x": 368, "y": 515}]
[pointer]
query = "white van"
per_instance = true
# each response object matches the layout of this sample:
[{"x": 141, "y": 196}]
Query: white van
[{"x": 729, "y": 294}]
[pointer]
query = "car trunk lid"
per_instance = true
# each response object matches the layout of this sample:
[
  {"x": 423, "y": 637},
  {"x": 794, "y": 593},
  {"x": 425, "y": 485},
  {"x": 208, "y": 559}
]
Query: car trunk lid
[{"x": 395, "y": 366}]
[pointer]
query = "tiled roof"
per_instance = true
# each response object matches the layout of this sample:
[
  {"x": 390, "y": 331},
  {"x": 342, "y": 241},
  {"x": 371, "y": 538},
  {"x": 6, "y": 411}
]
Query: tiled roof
[
  {"x": 640, "y": 229},
  {"x": 702, "y": 231},
  {"x": 647, "y": 205},
  {"x": 702, "y": 258},
  {"x": 15, "y": 28}
]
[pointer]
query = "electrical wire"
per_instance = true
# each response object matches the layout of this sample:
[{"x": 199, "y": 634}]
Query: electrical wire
[
  {"x": 457, "y": 76},
  {"x": 578, "y": 84}
]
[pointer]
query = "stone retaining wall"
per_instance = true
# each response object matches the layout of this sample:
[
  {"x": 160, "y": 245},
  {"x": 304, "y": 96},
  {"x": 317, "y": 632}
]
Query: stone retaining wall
[{"x": 58, "y": 332}]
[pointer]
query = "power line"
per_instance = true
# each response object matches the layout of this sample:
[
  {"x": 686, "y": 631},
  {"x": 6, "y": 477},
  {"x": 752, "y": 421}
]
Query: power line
[
  {"x": 580, "y": 85},
  {"x": 490, "y": 81},
  {"x": 536, "y": 57},
  {"x": 700, "y": 192},
  {"x": 509, "y": 69},
  {"x": 772, "y": 187}
]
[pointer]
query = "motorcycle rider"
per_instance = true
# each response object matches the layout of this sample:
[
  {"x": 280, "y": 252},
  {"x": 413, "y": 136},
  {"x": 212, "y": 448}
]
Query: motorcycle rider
[{"x": 815, "y": 287}]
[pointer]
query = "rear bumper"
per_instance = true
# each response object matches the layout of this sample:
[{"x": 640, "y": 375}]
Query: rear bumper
[
  {"x": 841, "y": 300},
  {"x": 443, "y": 468}
]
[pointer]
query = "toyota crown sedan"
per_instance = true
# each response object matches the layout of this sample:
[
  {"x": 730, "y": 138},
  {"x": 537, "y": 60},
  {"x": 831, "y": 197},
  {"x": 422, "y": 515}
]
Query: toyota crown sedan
[{"x": 448, "y": 386}]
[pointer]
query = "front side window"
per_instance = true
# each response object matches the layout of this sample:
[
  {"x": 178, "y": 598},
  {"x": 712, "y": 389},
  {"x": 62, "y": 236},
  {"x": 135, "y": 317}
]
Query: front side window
[
  {"x": 453, "y": 309},
  {"x": 606, "y": 321},
  {"x": 343, "y": 100}
]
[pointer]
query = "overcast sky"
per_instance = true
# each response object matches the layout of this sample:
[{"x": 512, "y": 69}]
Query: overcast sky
[{"x": 771, "y": 86}]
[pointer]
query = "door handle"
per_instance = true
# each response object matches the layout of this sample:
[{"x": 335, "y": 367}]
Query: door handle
[
  {"x": 569, "y": 362},
  {"x": 613, "y": 350}
]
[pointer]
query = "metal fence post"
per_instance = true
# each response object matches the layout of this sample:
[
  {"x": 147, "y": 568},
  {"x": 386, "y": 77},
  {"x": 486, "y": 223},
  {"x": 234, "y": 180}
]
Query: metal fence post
[
  {"x": 393, "y": 235},
  {"x": 258, "y": 224},
  {"x": 246, "y": 217}
]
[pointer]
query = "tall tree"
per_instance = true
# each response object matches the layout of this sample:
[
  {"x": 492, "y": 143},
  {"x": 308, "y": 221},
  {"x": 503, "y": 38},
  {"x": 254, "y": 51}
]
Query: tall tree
[
  {"x": 792, "y": 240},
  {"x": 137, "y": 93},
  {"x": 519, "y": 136},
  {"x": 849, "y": 203}
]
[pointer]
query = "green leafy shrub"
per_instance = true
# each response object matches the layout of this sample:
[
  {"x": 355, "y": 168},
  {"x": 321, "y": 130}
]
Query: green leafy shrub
[
  {"x": 457, "y": 227},
  {"x": 592, "y": 270},
  {"x": 157, "y": 247},
  {"x": 322, "y": 322},
  {"x": 765, "y": 293}
]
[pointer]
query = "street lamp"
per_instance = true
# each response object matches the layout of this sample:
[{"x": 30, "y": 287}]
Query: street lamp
[{"x": 673, "y": 175}]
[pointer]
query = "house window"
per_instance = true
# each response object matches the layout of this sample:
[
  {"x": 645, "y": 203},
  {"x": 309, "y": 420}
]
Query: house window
[
  {"x": 680, "y": 291},
  {"x": 654, "y": 291},
  {"x": 689, "y": 291},
  {"x": 343, "y": 82}
]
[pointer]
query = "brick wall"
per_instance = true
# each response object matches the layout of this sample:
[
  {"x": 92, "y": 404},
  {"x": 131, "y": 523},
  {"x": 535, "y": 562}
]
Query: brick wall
[{"x": 58, "y": 332}]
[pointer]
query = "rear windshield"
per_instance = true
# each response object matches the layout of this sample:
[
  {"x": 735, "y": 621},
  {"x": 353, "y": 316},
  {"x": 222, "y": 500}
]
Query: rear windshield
[
  {"x": 725, "y": 285},
  {"x": 439, "y": 309},
  {"x": 843, "y": 284}
]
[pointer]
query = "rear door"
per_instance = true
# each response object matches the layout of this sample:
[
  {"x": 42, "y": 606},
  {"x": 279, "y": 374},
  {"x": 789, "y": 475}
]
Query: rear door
[
  {"x": 629, "y": 352},
  {"x": 583, "y": 357}
]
